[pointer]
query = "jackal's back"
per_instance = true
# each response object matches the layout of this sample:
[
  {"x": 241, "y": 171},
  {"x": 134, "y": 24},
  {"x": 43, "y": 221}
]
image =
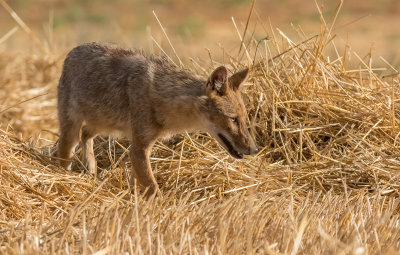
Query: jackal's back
[{"x": 97, "y": 82}]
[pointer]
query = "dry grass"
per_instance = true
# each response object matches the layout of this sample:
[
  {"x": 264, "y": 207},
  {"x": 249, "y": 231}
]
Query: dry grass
[{"x": 325, "y": 182}]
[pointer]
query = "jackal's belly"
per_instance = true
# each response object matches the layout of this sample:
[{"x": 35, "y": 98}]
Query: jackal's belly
[{"x": 105, "y": 119}]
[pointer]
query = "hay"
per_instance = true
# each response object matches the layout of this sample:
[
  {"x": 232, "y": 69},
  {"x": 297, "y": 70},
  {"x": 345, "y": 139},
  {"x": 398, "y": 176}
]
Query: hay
[{"x": 326, "y": 180}]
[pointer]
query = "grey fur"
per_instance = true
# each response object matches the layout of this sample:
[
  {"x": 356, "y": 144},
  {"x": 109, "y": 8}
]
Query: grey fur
[{"x": 104, "y": 89}]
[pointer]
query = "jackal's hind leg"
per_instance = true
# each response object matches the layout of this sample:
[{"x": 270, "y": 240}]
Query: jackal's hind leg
[{"x": 69, "y": 138}]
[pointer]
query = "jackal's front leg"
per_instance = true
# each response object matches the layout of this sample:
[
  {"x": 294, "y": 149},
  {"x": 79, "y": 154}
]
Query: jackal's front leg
[{"x": 142, "y": 169}]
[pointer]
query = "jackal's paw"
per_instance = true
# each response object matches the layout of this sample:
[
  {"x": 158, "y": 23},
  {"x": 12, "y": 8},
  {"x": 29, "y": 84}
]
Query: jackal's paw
[
  {"x": 66, "y": 164},
  {"x": 90, "y": 165},
  {"x": 152, "y": 190},
  {"x": 147, "y": 192}
]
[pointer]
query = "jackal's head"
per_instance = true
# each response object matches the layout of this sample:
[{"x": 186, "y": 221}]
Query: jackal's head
[{"x": 226, "y": 114}]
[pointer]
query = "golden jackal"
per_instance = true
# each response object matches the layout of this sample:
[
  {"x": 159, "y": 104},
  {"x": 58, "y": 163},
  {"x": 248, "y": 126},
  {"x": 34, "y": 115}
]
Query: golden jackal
[{"x": 105, "y": 89}]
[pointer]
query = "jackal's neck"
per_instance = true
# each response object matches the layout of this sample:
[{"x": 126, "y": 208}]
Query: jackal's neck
[
  {"x": 190, "y": 97},
  {"x": 182, "y": 105}
]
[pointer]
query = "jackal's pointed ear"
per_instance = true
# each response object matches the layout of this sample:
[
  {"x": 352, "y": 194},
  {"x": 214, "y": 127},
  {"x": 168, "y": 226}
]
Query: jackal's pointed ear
[
  {"x": 218, "y": 80},
  {"x": 238, "y": 78}
]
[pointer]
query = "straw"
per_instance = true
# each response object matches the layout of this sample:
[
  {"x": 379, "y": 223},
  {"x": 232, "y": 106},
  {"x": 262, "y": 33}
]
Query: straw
[{"x": 326, "y": 179}]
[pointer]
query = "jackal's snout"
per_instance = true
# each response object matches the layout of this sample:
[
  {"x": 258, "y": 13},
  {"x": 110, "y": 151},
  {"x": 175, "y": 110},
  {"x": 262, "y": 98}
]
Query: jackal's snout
[
  {"x": 247, "y": 144},
  {"x": 238, "y": 146}
]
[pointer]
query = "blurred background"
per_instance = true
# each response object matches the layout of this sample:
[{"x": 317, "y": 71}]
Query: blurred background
[{"x": 194, "y": 26}]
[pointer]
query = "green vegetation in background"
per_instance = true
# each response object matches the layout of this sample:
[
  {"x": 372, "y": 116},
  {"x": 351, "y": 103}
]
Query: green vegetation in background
[
  {"x": 233, "y": 2},
  {"x": 97, "y": 18},
  {"x": 77, "y": 13},
  {"x": 224, "y": 2},
  {"x": 141, "y": 24},
  {"x": 190, "y": 25},
  {"x": 22, "y": 3},
  {"x": 91, "y": 1},
  {"x": 392, "y": 37}
]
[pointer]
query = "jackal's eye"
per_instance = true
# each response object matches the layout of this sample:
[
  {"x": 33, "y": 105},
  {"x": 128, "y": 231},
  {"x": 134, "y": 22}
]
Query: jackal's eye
[{"x": 235, "y": 121}]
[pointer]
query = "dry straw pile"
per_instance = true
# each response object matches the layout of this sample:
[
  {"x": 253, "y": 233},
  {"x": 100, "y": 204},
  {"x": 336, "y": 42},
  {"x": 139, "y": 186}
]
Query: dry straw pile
[{"x": 325, "y": 182}]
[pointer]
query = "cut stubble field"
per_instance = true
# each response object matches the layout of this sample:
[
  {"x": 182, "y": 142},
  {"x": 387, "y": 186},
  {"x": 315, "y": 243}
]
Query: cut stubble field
[{"x": 325, "y": 181}]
